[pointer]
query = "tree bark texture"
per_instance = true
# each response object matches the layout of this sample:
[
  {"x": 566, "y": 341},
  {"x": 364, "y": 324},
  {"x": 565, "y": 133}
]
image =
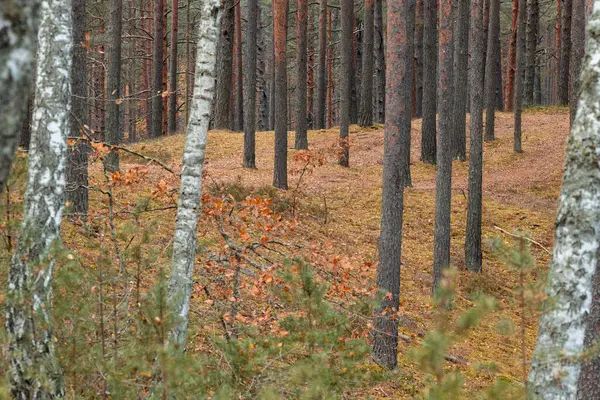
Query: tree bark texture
[
  {"x": 533, "y": 22},
  {"x": 512, "y": 57},
  {"x": 430, "y": 82},
  {"x": 366, "y": 98},
  {"x": 320, "y": 108},
  {"x": 157, "y": 84},
  {"x": 301, "y": 139},
  {"x": 250, "y": 83},
  {"x": 577, "y": 51},
  {"x": 280, "y": 29},
  {"x": 16, "y": 63},
  {"x": 418, "y": 67},
  {"x": 556, "y": 369},
  {"x": 491, "y": 66},
  {"x": 172, "y": 120},
  {"x": 238, "y": 117},
  {"x": 113, "y": 83},
  {"x": 346, "y": 67},
  {"x": 224, "y": 69},
  {"x": 34, "y": 371},
  {"x": 565, "y": 53},
  {"x": 186, "y": 224},
  {"x": 518, "y": 91},
  {"x": 379, "y": 62},
  {"x": 461, "y": 69}
]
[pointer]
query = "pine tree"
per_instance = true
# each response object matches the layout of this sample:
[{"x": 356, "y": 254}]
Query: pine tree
[
  {"x": 321, "y": 68},
  {"x": 224, "y": 69},
  {"x": 172, "y": 119},
  {"x": 565, "y": 52},
  {"x": 518, "y": 91},
  {"x": 280, "y": 28},
  {"x": 577, "y": 52},
  {"x": 430, "y": 82},
  {"x": 250, "y": 82},
  {"x": 491, "y": 66},
  {"x": 113, "y": 83},
  {"x": 347, "y": 64},
  {"x": 301, "y": 141},
  {"x": 366, "y": 98},
  {"x": 461, "y": 69},
  {"x": 156, "y": 129}
]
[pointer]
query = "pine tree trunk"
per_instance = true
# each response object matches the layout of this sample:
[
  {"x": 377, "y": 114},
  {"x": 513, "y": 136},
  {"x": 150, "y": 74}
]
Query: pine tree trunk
[
  {"x": 21, "y": 24},
  {"x": 310, "y": 90},
  {"x": 301, "y": 141},
  {"x": 261, "y": 81},
  {"x": 113, "y": 84},
  {"x": 355, "y": 70},
  {"x": 512, "y": 57},
  {"x": 186, "y": 225},
  {"x": 321, "y": 68},
  {"x": 330, "y": 80},
  {"x": 173, "y": 68},
  {"x": 225, "y": 69},
  {"x": 346, "y": 67},
  {"x": 557, "y": 370},
  {"x": 491, "y": 66},
  {"x": 418, "y": 68},
  {"x": 518, "y": 93},
  {"x": 401, "y": 29},
  {"x": 77, "y": 165},
  {"x": 250, "y": 82},
  {"x": 34, "y": 371},
  {"x": 238, "y": 117},
  {"x": 499, "y": 98},
  {"x": 280, "y": 29},
  {"x": 157, "y": 84},
  {"x": 430, "y": 82},
  {"x": 366, "y": 98},
  {"x": 557, "y": 47},
  {"x": 565, "y": 53},
  {"x": 443, "y": 181},
  {"x": 379, "y": 62},
  {"x": 461, "y": 69},
  {"x": 577, "y": 51},
  {"x": 531, "y": 45},
  {"x": 477, "y": 39}
]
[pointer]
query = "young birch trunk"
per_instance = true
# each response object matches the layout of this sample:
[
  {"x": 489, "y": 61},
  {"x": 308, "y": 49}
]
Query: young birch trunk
[
  {"x": 34, "y": 372},
  {"x": 186, "y": 225},
  {"x": 556, "y": 369},
  {"x": 16, "y": 63}
]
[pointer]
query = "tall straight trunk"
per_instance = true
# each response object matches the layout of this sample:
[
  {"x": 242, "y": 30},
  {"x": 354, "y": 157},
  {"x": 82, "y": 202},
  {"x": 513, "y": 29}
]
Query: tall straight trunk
[
  {"x": 557, "y": 47},
  {"x": 173, "y": 67},
  {"x": 518, "y": 100},
  {"x": 568, "y": 331},
  {"x": 301, "y": 141},
  {"x": 400, "y": 22},
  {"x": 250, "y": 82},
  {"x": 77, "y": 165},
  {"x": 577, "y": 51},
  {"x": 430, "y": 68},
  {"x": 330, "y": 62},
  {"x": 491, "y": 66},
  {"x": 537, "y": 83},
  {"x": 165, "y": 75},
  {"x": 320, "y": 109},
  {"x": 280, "y": 29},
  {"x": 157, "y": 84},
  {"x": 486, "y": 26},
  {"x": 188, "y": 56},
  {"x": 225, "y": 69},
  {"x": 272, "y": 86},
  {"x": 25, "y": 134},
  {"x": 346, "y": 67},
  {"x": 147, "y": 69},
  {"x": 565, "y": 53},
  {"x": 512, "y": 57},
  {"x": 132, "y": 73},
  {"x": 418, "y": 67},
  {"x": 238, "y": 117},
  {"x": 20, "y": 23},
  {"x": 261, "y": 80},
  {"x": 355, "y": 70},
  {"x": 379, "y": 62},
  {"x": 531, "y": 46},
  {"x": 366, "y": 98},
  {"x": 34, "y": 371},
  {"x": 310, "y": 79},
  {"x": 113, "y": 82},
  {"x": 499, "y": 92},
  {"x": 477, "y": 39},
  {"x": 186, "y": 223},
  {"x": 443, "y": 179},
  {"x": 461, "y": 69}
]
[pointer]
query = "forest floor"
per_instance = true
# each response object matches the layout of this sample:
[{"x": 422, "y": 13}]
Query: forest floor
[{"x": 340, "y": 208}]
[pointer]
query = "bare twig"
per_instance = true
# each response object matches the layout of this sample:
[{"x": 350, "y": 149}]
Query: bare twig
[{"x": 524, "y": 237}]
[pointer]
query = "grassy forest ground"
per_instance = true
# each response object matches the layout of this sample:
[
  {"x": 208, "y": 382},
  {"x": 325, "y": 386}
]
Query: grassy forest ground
[{"x": 338, "y": 212}]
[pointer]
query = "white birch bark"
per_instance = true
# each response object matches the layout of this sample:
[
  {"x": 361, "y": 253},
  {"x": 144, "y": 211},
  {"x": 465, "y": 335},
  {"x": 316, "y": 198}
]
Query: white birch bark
[
  {"x": 186, "y": 226},
  {"x": 18, "y": 30},
  {"x": 556, "y": 367},
  {"x": 34, "y": 371}
]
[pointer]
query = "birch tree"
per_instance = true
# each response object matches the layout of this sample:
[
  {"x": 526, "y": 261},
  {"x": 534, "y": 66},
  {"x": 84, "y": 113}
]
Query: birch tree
[
  {"x": 19, "y": 25},
  {"x": 565, "y": 330},
  {"x": 34, "y": 372},
  {"x": 186, "y": 225}
]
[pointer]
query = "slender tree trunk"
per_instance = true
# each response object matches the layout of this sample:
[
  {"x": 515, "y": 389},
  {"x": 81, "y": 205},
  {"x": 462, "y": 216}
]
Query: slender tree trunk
[
  {"x": 20, "y": 23},
  {"x": 173, "y": 67},
  {"x": 25, "y": 135},
  {"x": 157, "y": 84},
  {"x": 512, "y": 57},
  {"x": 77, "y": 166},
  {"x": 346, "y": 67},
  {"x": 430, "y": 68},
  {"x": 354, "y": 70},
  {"x": 34, "y": 371},
  {"x": 186, "y": 225},
  {"x": 401, "y": 29},
  {"x": 238, "y": 120},
  {"x": 569, "y": 328},
  {"x": 565, "y": 53},
  {"x": 132, "y": 73},
  {"x": 531, "y": 45},
  {"x": 461, "y": 69},
  {"x": 577, "y": 51},
  {"x": 418, "y": 70},
  {"x": 113, "y": 87},
  {"x": 250, "y": 82},
  {"x": 493, "y": 48},
  {"x": 147, "y": 70},
  {"x": 557, "y": 47},
  {"x": 310, "y": 90},
  {"x": 280, "y": 29},
  {"x": 301, "y": 142},
  {"x": 165, "y": 74},
  {"x": 321, "y": 68},
  {"x": 379, "y": 62},
  {"x": 330, "y": 62},
  {"x": 518, "y": 100},
  {"x": 499, "y": 98},
  {"x": 225, "y": 69},
  {"x": 261, "y": 80},
  {"x": 441, "y": 253},
  {"x": 473, "y": 232},
  {"x": 366, "y": 101}
]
